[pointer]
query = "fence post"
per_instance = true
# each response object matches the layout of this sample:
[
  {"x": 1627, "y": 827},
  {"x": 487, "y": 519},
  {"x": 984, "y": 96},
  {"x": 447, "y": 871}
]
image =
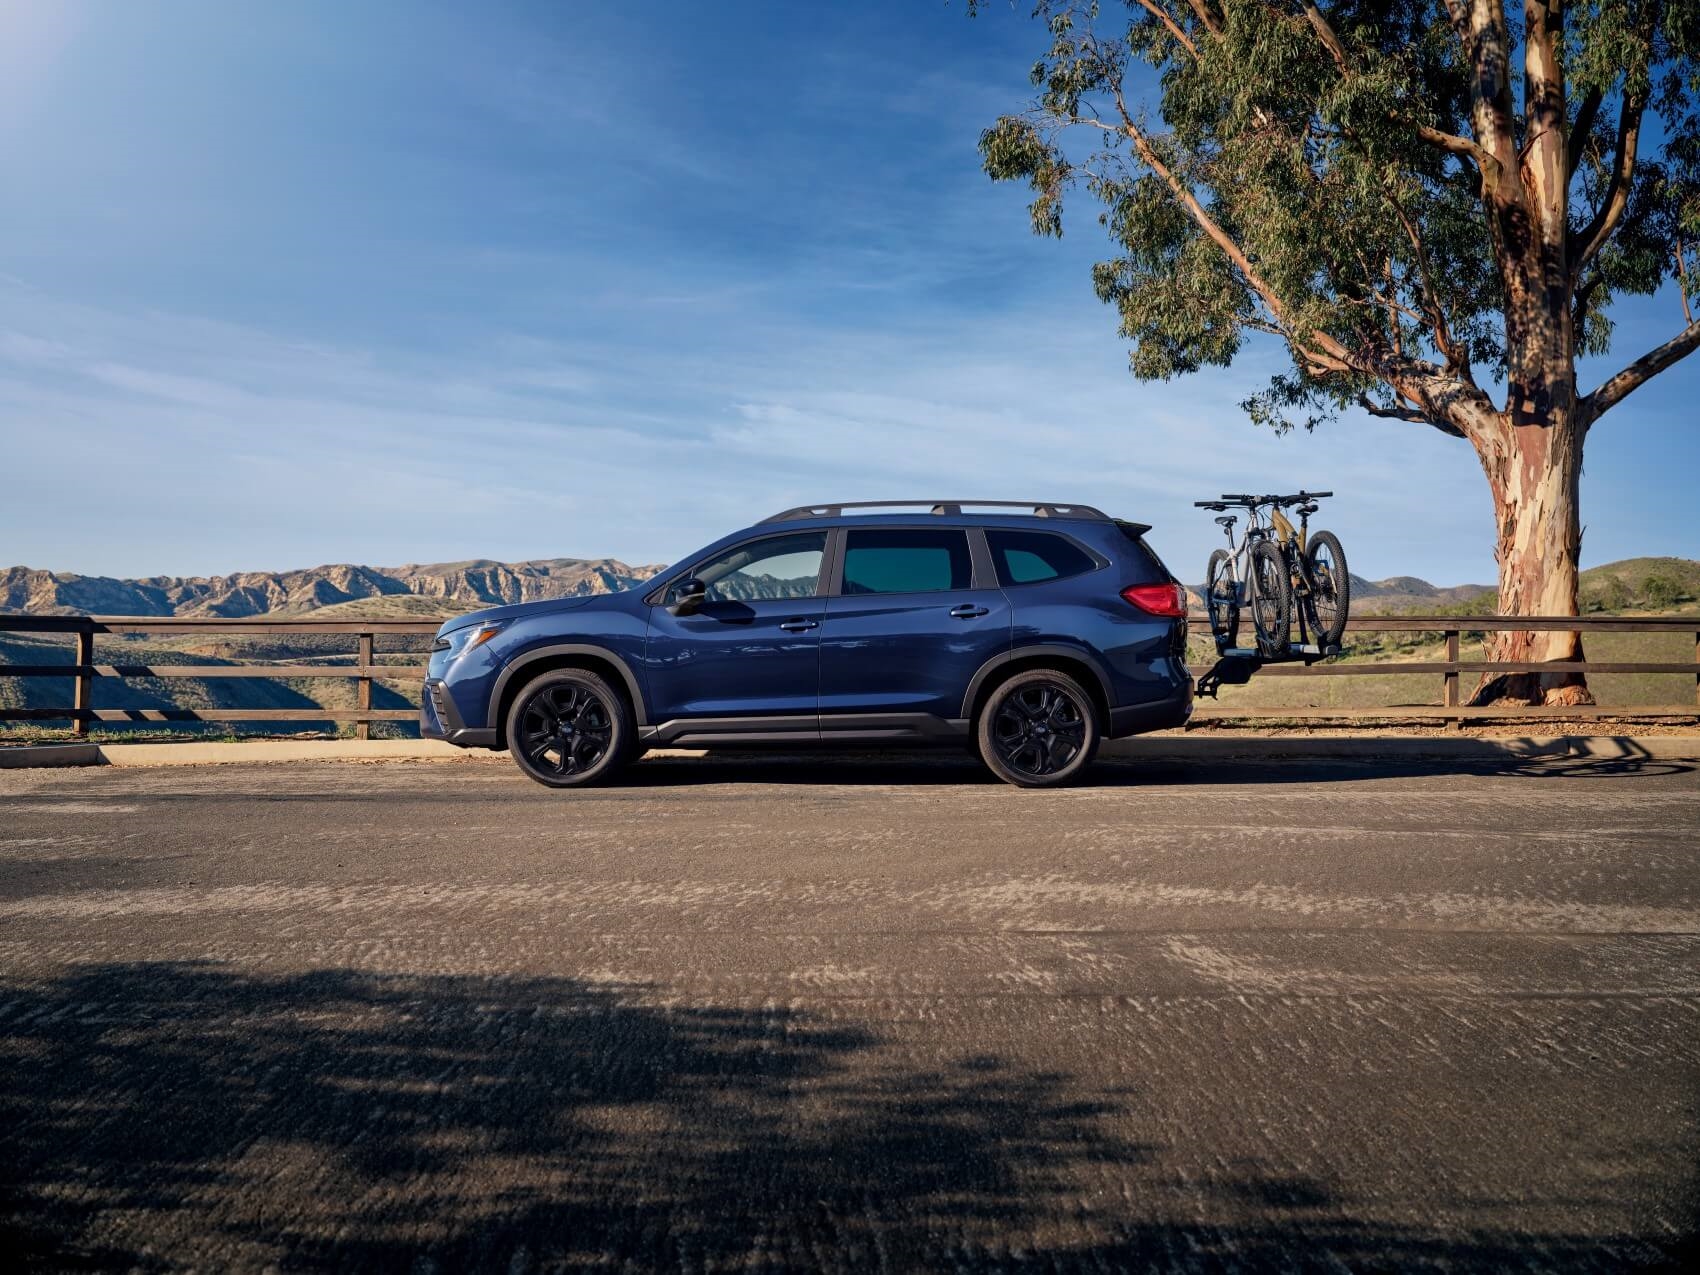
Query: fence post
[
  {"x": 1697, "y": 670},
  {"x": 83, "y": 700},
  {"x": 1450, "y": 698},
  {"x": 363, "y": 730}
]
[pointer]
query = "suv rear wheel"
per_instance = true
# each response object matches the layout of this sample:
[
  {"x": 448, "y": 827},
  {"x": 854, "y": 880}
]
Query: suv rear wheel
[
  {"x": 569, "y": 728},
  {"x": 1039, "y": 729}
]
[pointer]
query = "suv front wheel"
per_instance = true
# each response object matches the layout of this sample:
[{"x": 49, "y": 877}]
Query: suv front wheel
[
  {"x": 1039, "y": 729},
  {"x": 570, "y": 728}
]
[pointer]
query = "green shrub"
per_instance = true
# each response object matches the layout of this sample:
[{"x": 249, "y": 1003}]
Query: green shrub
[{"x": 1662, "y": 592}]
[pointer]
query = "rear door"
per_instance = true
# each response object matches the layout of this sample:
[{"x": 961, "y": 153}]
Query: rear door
[{"x": 915, "y": 613}]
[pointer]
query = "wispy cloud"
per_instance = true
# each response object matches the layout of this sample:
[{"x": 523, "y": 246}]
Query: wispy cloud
[{"x": 546, "y": 280}]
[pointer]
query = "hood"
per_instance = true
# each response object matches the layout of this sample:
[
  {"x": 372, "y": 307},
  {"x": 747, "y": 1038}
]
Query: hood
[{"x": 520, "y": 610}]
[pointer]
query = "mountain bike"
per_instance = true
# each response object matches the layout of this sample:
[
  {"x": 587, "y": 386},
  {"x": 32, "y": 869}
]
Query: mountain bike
[{"x": 1274, "y": 570}]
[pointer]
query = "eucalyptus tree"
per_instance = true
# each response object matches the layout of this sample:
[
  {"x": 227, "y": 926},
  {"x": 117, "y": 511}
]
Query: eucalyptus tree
[{"x": 1431, "y": 203}]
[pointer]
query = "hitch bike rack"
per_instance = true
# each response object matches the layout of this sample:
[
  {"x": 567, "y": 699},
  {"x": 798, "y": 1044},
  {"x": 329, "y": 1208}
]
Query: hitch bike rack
[{"x": 1236, "y": 664}]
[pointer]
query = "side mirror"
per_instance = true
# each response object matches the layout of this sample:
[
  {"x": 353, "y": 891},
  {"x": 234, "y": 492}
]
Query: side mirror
[{"x": 689, "y": 597}]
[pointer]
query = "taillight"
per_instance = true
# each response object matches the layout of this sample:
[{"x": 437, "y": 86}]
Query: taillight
[{"x": 1167, "y": 600}]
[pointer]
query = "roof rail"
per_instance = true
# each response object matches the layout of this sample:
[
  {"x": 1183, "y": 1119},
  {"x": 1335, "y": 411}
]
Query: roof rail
[{"x": 1038, "y": 508}]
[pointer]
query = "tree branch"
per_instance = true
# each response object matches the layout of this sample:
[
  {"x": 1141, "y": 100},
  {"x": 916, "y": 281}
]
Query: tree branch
[
  {"x": 1174, "y": 28},
  {"x": 1488, "y": 47},
  {"x": 1201, "y": 8},
  {"x": 1453, "y": 144},
  {"x": 1325, "y": 33},
  {"x": 1455, "y": 356},
  {"x": 1638, "y": 373},
  {"x": 1580, "y": 130},
  {"x": 1594, "y": 236},
  {"x": 1584, "y": 297},
  {"x": 1205, "y": 222},
  {"x": 1679, "y": 250},
  {"x": 1409, "y": 415}
]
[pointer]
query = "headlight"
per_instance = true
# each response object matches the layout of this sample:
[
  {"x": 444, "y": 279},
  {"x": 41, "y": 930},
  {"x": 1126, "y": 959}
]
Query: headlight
[{"x": 460, "y": 642}]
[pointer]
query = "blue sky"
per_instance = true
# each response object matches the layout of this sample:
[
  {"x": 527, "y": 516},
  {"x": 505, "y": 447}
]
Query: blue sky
[{"x": 400, "y": 281}]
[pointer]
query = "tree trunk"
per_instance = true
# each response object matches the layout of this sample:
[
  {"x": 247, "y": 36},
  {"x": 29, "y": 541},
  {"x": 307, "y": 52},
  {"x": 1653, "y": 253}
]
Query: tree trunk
[{"x": 1534, "y": 471}]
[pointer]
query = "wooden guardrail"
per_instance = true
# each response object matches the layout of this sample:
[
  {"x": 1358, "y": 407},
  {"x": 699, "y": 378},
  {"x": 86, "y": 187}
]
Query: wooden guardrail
[
  {"x": 1453, "y": 667},
  {"x": 84, "y": 671}
]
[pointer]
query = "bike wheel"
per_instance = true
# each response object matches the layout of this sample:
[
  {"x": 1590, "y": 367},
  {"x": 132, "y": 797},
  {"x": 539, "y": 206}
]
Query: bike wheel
[
  {"x": 1331, "y": 587},
  {"x": 1271, "y": 599},
  {"x": 1222, "y": 599}
]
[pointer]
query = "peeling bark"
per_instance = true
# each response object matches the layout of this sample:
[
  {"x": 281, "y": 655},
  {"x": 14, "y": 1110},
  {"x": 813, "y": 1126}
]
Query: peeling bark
[{"x": 1534, "y": 471}]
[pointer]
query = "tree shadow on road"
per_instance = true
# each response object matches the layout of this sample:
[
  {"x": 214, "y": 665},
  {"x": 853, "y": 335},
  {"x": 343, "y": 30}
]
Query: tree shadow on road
[{"x": 161, "y": 1116}]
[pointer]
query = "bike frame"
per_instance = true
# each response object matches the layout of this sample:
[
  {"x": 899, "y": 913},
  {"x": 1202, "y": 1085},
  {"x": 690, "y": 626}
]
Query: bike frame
[
  {"x": 1290, "y": 540},
  {"x": 1239, "y": 555}
]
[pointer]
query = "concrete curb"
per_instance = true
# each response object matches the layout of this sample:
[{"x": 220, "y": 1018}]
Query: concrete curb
[
  {"x": 1150, "y": 748},
  {"x": 50, "y": 755}
]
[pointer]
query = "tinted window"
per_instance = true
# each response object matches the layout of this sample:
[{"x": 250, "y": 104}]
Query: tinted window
[
  {"x": 1027, "y": 557},
  {"x": 906, "y": 561},
  {"x": 777, "y": 567}
]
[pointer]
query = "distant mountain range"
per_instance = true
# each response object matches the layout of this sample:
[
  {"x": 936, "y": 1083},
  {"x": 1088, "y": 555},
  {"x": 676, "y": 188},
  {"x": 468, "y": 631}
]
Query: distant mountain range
[
  {"x": 418, "y": 588},
  {"x": 443, "y": 587}
]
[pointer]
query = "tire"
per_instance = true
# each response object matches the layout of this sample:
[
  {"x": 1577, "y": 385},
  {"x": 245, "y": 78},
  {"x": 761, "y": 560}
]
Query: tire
[
  {"x": 1271, "y": 599},
  {"x": 1330, "y": 598},
  {"x": 1222, "y": 599},
  {"x": 1038, "y": 730},
  {"x": 600, "y": 736}
]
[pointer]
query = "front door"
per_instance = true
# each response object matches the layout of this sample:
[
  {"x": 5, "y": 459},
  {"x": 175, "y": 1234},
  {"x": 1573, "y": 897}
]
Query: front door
[
  {"x": 909, "y": 626},
  {"x": 754, "y": 646}
]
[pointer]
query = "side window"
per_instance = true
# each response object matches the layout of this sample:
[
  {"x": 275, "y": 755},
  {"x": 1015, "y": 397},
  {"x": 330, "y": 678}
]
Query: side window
[
  {"x": 774, "y": 567},
  {"x": 906, "y": 561},
  {"x": 1028, "y": 557}
]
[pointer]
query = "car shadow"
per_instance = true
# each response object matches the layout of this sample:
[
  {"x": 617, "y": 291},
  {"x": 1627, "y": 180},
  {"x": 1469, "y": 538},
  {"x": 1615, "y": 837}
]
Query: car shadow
[
  {"x": 177, "y": 1115},
  {"x": 1615, "y": 757}
]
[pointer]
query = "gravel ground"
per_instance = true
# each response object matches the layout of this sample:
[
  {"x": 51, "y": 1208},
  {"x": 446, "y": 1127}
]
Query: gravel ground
[{"x": 851, "y": 1015}]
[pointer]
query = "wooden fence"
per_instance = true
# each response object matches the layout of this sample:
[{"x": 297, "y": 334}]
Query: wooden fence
[
  {"x": 1453, "y": 668},
  {"x": 85, "y": 671}
]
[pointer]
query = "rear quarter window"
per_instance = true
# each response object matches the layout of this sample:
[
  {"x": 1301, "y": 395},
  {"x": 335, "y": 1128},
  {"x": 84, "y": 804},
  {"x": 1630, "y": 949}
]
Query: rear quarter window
[{"x": 1032, "y": 557}]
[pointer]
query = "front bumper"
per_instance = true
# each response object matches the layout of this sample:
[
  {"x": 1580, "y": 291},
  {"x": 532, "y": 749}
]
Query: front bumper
[{"x": 440, "y": 719}]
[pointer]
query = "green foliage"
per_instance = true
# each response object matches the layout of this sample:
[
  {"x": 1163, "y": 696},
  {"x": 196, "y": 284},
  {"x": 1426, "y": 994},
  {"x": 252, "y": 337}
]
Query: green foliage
[
  {"x": 1613, "y": 596},
  {"x": 1356, "y": 238},
  {"x": 1662, "y": 591}
]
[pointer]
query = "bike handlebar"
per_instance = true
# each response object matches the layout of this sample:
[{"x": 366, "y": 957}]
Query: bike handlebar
[{"x": 1242, "y": 498}]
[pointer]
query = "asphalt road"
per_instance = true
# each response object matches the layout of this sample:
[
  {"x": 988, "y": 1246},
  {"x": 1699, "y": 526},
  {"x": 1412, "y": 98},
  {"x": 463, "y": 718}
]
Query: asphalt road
[{"x": 851, "y": 1015}]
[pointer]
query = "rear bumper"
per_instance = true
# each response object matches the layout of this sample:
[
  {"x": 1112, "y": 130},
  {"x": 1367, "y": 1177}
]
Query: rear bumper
[
  {"x": 1163, "y": 714},
  {"x": 439, "y": 719}
]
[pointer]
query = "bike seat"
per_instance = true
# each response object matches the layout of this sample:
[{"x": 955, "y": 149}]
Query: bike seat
[
  {"x": 1309, "y": 507},
  {"x": 1229, "y": 521}
]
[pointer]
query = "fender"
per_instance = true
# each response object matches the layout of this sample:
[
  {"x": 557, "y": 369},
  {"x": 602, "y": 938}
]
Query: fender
[
  {"x": 567, "y": 648},
  {"x": 1003, "y": 658}
]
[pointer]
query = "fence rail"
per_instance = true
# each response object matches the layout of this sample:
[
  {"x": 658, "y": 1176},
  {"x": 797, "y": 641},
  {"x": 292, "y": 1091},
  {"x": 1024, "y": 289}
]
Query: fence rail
[{"x": 84, "y": 671}]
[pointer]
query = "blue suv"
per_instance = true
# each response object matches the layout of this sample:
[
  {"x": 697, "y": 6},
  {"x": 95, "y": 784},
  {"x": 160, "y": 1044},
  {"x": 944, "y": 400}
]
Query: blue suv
[{"x": 1029, "y": 631}]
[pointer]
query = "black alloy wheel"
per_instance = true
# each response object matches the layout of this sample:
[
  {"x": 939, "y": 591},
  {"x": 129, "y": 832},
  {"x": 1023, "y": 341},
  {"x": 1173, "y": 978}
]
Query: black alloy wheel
[
  {"x": 1040, "y": 729},
  {"x": 568, "y": 728}
]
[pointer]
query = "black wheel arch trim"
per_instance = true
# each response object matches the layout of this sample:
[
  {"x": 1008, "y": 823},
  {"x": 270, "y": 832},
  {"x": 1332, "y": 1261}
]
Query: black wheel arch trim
[
  {"x": 1055, "y": 650},
  {"x": 555, "y": 650}
]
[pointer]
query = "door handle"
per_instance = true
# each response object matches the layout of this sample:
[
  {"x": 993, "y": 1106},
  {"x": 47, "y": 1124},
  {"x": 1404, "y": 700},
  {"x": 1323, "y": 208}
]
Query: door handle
[
  {"x": 967, "y": 611},
  {"x": 800, "y": 626}
]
